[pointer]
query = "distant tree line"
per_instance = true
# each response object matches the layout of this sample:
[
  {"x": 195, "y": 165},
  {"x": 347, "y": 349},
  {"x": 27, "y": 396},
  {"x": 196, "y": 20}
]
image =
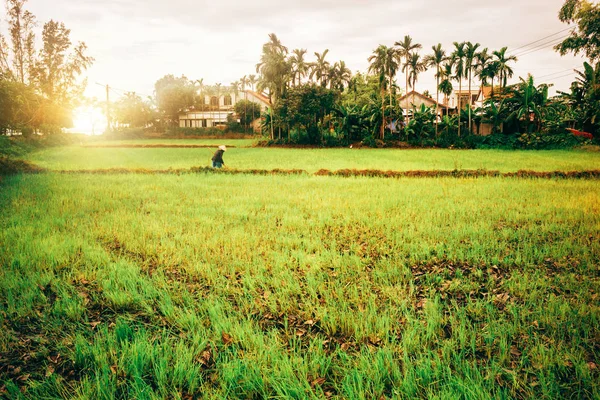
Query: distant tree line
[{"x": 38, "y": 87}]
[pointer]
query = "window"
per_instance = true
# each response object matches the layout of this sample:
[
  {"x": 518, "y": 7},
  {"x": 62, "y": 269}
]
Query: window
[
  {"x": 214, "y": 101},
  {"x": 227, "y": 100},
  {"x": 204, "y": 125}
]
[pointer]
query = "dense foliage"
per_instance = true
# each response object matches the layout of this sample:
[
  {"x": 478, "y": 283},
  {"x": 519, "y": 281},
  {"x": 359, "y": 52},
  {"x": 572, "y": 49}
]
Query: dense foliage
[{"x": 38, "y": 88}]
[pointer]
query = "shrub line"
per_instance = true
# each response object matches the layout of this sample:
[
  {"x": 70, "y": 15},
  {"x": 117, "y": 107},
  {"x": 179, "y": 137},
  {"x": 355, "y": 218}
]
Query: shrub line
[{"x": 9, "y": 166}]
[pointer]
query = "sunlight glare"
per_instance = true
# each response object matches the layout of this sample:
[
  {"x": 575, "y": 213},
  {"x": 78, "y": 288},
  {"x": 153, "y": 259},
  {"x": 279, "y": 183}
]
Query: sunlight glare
[{"x": 88, "y": 120}]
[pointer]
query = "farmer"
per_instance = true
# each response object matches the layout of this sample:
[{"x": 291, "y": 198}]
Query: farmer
[{"x": 217, "y": 159}]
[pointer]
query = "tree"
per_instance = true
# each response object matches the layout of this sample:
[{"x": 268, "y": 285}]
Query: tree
[
  {"x": 470, "y": 58},
  {"x": 299, "y": 66},
  {"x": 529, "y": 105},
  {"x": 585, "y": 38},
  {"x": 436, "y": 59},
  {"x": 341, "y": 76},
  {"x": 483, "y": 61},
  {"x": 172, "y": 96},
  {"x": 504, "y": 71},
  {"x": 132, "y": 110},
  {"x": 458, "y": 60},
  {"x": 416, "y": 66},
  {"x": 445, "y": 85},
  {"x": 241, "y": 109},
  {"x": 584, "y": 98},
  {"x": 379, "y": 67},
  {"x": 252, "y": 82},
  {"x": 20, "y": 25},
  {"x": 274, "y": 71},
  {"x": 320, "y": 68},
  {"x": 405, "y": 48},
  {"x": 56, "y": 69}
]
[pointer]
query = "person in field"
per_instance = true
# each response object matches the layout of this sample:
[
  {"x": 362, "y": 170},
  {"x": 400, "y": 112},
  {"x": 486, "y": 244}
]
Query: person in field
[{"x": 217, "y": 159}]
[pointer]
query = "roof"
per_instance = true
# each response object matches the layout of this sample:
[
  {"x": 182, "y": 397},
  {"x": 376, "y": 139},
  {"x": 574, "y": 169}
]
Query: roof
[
  {"x": 259, "y": 96},
  {"x": 422, "y": 96}
]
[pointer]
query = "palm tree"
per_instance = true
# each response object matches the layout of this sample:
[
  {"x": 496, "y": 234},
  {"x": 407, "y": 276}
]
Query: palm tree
[
  {"x": 378, "y": 66},
  {"x": 199, "y": 83},
  {"x": 299, "y": 66},
  {"x": 252, "y": 82},
  {"x": 483, "y": 60},
  {"x": 445, "y": 87},
  {"x": 406, "y": 47},
  {"x": 416, "y": 66},
  {"x": 458, "y": 60},
  {"x": 320, "y": 68},
  {"x": 243, "y": 84},
  {"x": 274, "y": 71},
  {"x": 339, "y": 75},
  {"x": 436, "y": 59},
  {"x": 470, "y": 57},
  {"x": 504, "y": 70}
]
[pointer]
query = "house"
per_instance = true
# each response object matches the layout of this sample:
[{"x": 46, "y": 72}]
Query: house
[
  {"x": 214, "y": 110},
  {"x": 464, "y": 95},
  {"x": 417, "y": 99}
]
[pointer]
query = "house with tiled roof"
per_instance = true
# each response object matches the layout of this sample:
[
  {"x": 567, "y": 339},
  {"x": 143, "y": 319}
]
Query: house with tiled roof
[{"x": 416, "y": 99}]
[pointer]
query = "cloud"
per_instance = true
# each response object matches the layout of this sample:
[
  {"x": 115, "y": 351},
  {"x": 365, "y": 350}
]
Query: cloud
[{"x": 137, "y": 41}]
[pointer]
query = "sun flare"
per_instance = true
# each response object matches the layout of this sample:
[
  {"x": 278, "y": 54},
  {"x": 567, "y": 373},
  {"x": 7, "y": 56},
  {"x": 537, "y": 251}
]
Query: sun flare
[{"x": 88, "y": 120}]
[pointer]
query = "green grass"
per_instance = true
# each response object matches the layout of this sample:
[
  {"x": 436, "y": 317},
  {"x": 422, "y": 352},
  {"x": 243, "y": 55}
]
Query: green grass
[
  {"x": 314, "y": 159},
  {"x": 128, "y": 286},
  {"x": 198, "y": 141}
]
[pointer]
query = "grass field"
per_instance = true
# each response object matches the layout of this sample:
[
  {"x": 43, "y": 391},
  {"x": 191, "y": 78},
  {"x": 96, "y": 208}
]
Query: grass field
[
  {"x": 240, "y": 286},
  {"x": 311, "y": 160},
  {"x": 199, "y": 141}
]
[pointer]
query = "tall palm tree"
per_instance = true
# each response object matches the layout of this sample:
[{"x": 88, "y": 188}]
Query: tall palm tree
[
  {"x": 436, "y": 59},
  {"x": 378, "y": 66},
  {"x": 320, "y": 68},
  {"x": 243, "y": 84},
  {"x": 252, "y": 82},
  {"x": 274, "y": 71},
  {"x": 299, "y": 65},
  {"x": 504, "y": 70},
  {"x": 470, "y": 58},
  {"x": 405, "y": 48},
  {"x": 458, "y": 60},
  {"x": 482, "y": 62},
  {"x": 199, "y": 83},
  {"x": 416, "y": 66},
  {"x": 339, "y": 75}
]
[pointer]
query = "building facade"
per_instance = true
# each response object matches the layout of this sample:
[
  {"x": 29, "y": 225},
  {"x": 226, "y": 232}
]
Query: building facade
[{"x": 216, "y": 109}]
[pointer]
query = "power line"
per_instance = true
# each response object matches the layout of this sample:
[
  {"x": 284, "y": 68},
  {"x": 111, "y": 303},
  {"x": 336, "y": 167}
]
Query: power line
[
  {"x": 541, "y": 46},
  {"x": 559, "y": 77},
  {"x": 539, "y": 40},
  {"x": 556, "y": 73}
]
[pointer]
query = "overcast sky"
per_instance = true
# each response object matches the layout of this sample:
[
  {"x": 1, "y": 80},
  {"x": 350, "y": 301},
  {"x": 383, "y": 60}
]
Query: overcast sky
[{"x": 135, "y": 42}]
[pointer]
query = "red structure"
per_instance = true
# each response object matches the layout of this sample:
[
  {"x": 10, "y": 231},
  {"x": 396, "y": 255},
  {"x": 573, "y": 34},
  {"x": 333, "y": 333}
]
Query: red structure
[{"x": 580, "y": 133}]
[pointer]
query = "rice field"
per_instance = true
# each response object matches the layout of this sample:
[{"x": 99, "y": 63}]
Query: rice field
[
  {"x": 217, "y": 286},
  {"x": 311, "y": 160}
]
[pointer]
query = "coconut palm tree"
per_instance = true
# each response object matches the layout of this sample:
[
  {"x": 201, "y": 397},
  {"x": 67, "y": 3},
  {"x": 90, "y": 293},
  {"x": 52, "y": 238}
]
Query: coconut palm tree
[
  {"x": 504, "y": 70},
  {"x": 470, "y": 58},
  {"x": 339, "y": 75},
  {"x": 458, "y": 60},
  {"x": 405, "y": 48},
  {"x": 436, "y": 59},
  {"x": 378, "y": 66},
  {"x": 320, "y": 68},
  {"x": 299, "y": 65}
]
